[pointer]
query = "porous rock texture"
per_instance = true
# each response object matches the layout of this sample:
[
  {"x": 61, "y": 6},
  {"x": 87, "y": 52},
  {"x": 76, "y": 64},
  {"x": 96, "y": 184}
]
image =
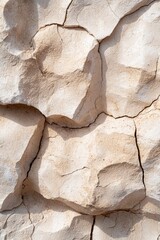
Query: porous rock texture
[{"x": 79, "y": 120}]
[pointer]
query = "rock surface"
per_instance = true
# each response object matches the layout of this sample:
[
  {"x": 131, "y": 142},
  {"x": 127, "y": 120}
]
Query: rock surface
[
  {"x": 79, "y": 119},
  {"x": 39, "y": 78},
  {"x": 131, "y": 64},
  {"x": 38, "y": 219},
  {"x": 21, "y": 131},
  {"x": 104, "y": 14},
  {"x": 148, "y": 137},
  {"x": 126, "y": 225},
  {"x": 87, "y": 166}
]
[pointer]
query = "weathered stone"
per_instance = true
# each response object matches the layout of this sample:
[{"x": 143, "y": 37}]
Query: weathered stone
[
  {"x": 84, "y": 167},
  {"x": 91, "y": 69},
  {"x": 148, "y": 138},
  {"x": 53, "y": 220},
  {"x": 100, "y": 17},
  {"x": 21, "y": 130},
  {"x": 38, "y": 14},
  {"x": 67, "y": 92},
  {"x": 126, "y": 225},
  {"x": 38, "y": 219},
  {"x": 131, "y": 67},
  {"x": 16, "y": 224}
]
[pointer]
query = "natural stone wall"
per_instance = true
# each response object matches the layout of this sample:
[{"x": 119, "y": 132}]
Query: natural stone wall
[{"x": 79, "y": 120}]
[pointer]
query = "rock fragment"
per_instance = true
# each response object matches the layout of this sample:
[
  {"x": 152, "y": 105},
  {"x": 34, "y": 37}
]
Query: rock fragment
[
  {"x": 104, "y": 15},
  {"x": 131, "y": 66},
  {"x": 83, "y": 168},
  {"x": 148, "y": 138},
  {"x": 20, "y": 135}
]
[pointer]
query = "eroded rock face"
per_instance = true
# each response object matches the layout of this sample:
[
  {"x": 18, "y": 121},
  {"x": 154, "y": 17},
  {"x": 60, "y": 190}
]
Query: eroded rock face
[
  {"x": 148, "y": 136},
  {"x": 39, "y": 219},
  {"x": 104, "y": 15},
  {"x": 126, "y": 225},
  {"x": 87, "y": 166},
  {"x": 21, "y": 131},
  {"x": 34, "y": 70},
  {"x": 131, "y": 63},
  {"x": 79, "y": 119}
]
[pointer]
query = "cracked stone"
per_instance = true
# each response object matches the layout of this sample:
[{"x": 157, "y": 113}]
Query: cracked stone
[
  {"x": 53, "y": 220},
  {"x": 21, "y": 130},
  {"x": 83, "y": 167},
  {"x": 125, "y": 225},
  {"x": 15, "y": 224},
  {"x": 104, "y": 15},
  {"x": 41, "y": 79},
  {"x": 131, "y": 63},
  {"x": 148, "y": 137},
  {"x": 38, "y": 14},
  {"x": 79, "y": 119}
]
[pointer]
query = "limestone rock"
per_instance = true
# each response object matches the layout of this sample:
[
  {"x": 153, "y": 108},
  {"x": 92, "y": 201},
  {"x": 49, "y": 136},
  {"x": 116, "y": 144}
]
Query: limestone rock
[
  {"x": 148, "y": 138},
  {"x": 53, "y": 220},
  {"x": 79, "y": 120},
  {"x": 93, "y": 170},
  {"x": 38, "y": 219},
  {"x": 131, "y": 68},
  {"x": 21, "y": 130},
  {"x": 126, "y": 226},
  {"x": 16, "y": 224},
  {"x": 78, "y": 79},
  {"x": 38, "y": 14},
  {"x": 100, "y": 17},
  {"x": 67, "y": 92}
]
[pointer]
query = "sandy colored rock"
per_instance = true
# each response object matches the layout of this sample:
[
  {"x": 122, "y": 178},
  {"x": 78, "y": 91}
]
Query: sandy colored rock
[
  {"x": 79, "y": 120},
  {"x": 126, "y": 226},
  {"x": 100, "y": 17},
  {"x": 38, "y": 14},
  {"x": 38, "y": 219},
  {"x": 21, "y": 130},
  {"x": 67, "y": 92},
  {"x": 53, "y": 220},
  {"x": 16, "y": 224},
  {"x": 83, "y": 168},
  {"x": 131, "y": 67},
  {"x": 148, "y": 137}
]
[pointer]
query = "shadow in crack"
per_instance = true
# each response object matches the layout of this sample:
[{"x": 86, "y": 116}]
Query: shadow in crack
[
  {"x": 122, "y": 80},
  {"x": 125, "y": 225}
]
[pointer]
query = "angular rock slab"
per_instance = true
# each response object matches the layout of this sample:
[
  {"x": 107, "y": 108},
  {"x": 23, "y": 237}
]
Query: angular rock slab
[
  {"x": 100, "y": 17},
  {"x": 20, "y": 135},
  {"x": 61, "y": 76},
  {"x": 16, "y": 224},
  {"x": 39, "y": 219},
  {"x": 126, "y": 226},
  {"x": 148, "y": 137},
  {"x": 53, "y": 220},
  {"x": 38, "y": 14},
  {"x": 131, "y": 67},
  {"x": 93, "y": 170}
]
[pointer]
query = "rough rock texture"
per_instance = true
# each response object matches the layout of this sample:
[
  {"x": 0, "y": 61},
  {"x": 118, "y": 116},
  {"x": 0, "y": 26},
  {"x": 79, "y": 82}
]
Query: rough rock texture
[
  {"x": 131, "y": 64},
  {"x": 21, "y": 131},
  {"x": 126, "y": 225},
  {"x": 104, "y": 14},
  {"x": 148, "y": 137},
  {"x": 79, "y": 119},
  {"x": 99, "y": 153}
]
